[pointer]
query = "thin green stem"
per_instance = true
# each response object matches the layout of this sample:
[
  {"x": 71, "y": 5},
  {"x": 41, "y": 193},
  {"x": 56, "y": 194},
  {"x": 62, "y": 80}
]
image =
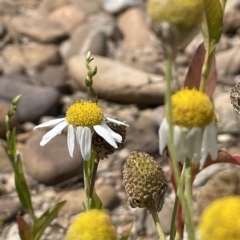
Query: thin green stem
[
  {"x": 188, "y": 195},
  {"x": 186, "y": 211},
  {"x": 86, "y": 184},
  {"x": 175, "y": 208},
  {"x": 206, "y": 68},
  {"x": 158, "y": 225},
  {"x": 188, "y": 183},
  {"x": 93, "y": 177}
]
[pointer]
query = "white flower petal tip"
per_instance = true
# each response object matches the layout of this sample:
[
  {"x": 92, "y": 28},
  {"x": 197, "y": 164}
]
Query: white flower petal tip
[
  {"x": 49, "y": 123},
  {"x": 163, "y": 136},
  {"x": 116, "y": 121},
  {"x": 86, "y": 143},
  {"x": 103, "y": 131}
]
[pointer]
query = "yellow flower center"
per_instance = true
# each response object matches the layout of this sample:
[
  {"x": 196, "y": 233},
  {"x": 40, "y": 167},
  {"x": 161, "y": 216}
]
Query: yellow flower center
[
  {"x": 91, "y": 225},
  {"x": 86, "y": 114},
  {"x": 220, "y": 220},
  {"x": 192, "y": 108}
]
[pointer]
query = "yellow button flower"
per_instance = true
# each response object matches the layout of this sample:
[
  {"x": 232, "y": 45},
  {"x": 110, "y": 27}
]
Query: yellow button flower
[
  {"x": 82, "y": 119},
  {"x": 92, "y": 225},
  {"x": 194, "y": 128},
  {"x": 220, "y": 220}
]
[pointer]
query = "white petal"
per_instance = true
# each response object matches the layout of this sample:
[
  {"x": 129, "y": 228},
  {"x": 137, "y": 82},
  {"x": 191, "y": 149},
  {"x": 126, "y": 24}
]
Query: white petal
[
  {"x": 180, "y": 142},
  {"x": 53, "y": 132},
  {"x": 212, "y": 141},
  {"x": 86, "y": 143},
  {"x": 117, "y": 137},
  {"x": 79, "y": 134},
  {"x": 163, "y": 135},
  {"x": 70, "y": 139},
  {"x": 50, "y": 123},
  {"x": 209, "y": 144},
  {"x": 194, "y": 143},
  {"x": 116, "y": 121},
  {"x": 104, "y": 133}
]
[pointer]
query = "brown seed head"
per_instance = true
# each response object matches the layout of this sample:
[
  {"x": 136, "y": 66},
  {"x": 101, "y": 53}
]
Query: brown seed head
[
  {"x": 145, "y": 182},
  {"x": 103, "y": 148}
]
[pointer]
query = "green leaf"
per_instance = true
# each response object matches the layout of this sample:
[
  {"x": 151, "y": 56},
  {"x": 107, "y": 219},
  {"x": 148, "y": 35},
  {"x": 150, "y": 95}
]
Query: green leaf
[
  {"x": 127, "y": 234},
  {"x": 22, "y": 187},
  {"x": 25, "y": 230},
  {"x": 212, "y": 25},
  {"x": 96, "y": 201},
  {"x": 44, "y": 221}
]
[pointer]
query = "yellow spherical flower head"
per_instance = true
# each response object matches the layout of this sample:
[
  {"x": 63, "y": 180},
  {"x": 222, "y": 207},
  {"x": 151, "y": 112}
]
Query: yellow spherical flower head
[
  {"x": 194, "y": 127},
  {"x": 83, "y": 119},
  {"x": 91, "y": 225},
  {"x": 175, "y": 22},
  {"x": 220, "y": 220}
]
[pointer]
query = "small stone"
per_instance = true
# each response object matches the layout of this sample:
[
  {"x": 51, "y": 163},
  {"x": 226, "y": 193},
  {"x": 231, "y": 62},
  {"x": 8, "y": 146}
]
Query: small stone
[
  {"x": 32, "y": 55},
  {"x": 129, "y": 23},
  {"x": 35, "y": 101},
  {"x": 51, "y": 164},
  {"x": 130, "y": 85},
  {"x": 69, "y": 16},
  {"x": 116, "y": 6}
]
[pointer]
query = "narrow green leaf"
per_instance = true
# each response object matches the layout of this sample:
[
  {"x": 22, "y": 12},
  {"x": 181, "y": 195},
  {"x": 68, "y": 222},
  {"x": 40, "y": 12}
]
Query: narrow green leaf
[
  {"x": 12, "y": 142},
  {"x": 44, "y": 221},
  {"x": 22, "y": 187},
  {"x": 127, "y": 234},
  {"x": 96, "y": 201},
  {"x": 212, "y": 26}
]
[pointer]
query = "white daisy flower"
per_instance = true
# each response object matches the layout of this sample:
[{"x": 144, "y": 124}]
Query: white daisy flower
[
  {"x": 195, "y": 133},
  {"x": 82, "y": 119}
]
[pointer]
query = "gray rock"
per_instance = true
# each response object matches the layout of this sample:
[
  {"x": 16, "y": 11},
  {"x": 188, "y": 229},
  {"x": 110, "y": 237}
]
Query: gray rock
[
  {"x": 140, "y": 127},
  {"x": 5, "y": 165},
  {"x": 130, "y": 22},
  {"x": 51, "y": 164},
  {"x": 35, "y": 101},
  {"x": 69, "y": 16},
  {"x": 74, "y": 205},
  {"x": 53, "y": 76},
  {"x": 228, "y": 119},
  {"x": 84, "y": 39},
  {"x": 49, "y": 5},
  {"x": 89, "y": 7},
  {"x": 228, "y": 61},
  {"x": 32, "y": 55},
  {"x": 231, "y": 22},
  {"x": 118, "y": 82},
  {"x": 116, "y": 6},
  {"x": 40, "y": 29},
  {"x": 9, "y": 209},
  {"x": 8, "y": 7}
]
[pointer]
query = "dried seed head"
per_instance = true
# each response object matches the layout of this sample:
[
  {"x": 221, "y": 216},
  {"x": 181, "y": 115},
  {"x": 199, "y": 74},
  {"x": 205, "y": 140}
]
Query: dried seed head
[
  {"x": 145, "y": 181},
  {"x": 103, "y": 148}
]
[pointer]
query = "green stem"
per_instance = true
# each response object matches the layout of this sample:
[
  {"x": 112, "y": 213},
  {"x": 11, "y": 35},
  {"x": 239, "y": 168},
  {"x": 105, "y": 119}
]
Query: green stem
[
  {"x": 206, "y": 70},
  {"x": 93, "y": 178},
  {"x": 158, "y": 225},
  {"x": 172, "y": 150},
  {"x": 86, "y": 184},
  {"x": 175, "y": 209},
  {"x": 188, "y": 183},
  {"x": 188, "y": 195}
]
